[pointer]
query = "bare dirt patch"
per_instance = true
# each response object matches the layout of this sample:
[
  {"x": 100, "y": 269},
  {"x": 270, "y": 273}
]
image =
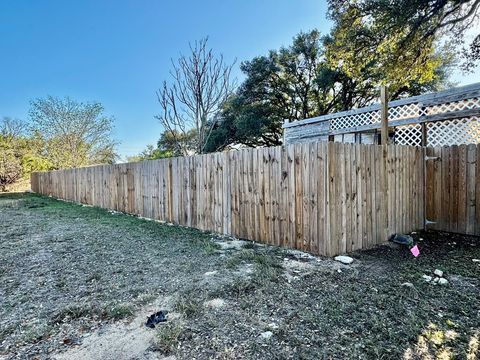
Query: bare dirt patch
[
  {"x": 79, "y": 282},
  {"x": 120, "y": 340}
]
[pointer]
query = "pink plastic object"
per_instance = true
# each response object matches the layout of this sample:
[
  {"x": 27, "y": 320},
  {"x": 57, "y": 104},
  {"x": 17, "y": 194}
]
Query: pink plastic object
[{"x": 415, "y": 251}]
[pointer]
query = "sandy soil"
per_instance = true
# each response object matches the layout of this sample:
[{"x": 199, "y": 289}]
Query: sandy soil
[{"x": 119, "y": 341}]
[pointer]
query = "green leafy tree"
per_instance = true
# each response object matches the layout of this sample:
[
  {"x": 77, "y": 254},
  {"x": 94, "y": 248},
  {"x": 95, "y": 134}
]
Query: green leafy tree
[
  {"x": 21, "y": 152},
  {"x": 32, "y": 162},
  {"x": 75, "y": 133},
  {"x": 179, "y": 143},
  {"x": 247, "y": 124},
  {"x": 10, "y": 151},
  {"x": 171, "y": 143},
  {"x": 308, "y": 79},
  {"x": 10, "y": 166},
  {"x": 150, "y": 153},
  {"x": 404, "y": 33}
]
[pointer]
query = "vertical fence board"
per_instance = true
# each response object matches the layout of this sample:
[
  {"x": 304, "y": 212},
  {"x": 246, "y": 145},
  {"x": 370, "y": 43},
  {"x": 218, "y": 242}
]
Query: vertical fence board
[
  {"x": 298, "y": 198},
  {"x": 470, "y": 190},
  {"x": 462, "y": 190},
  {"x": 477, "y": 193},
  {"x": 320, "y": 174},
  {"x": 326, "y": 198}
]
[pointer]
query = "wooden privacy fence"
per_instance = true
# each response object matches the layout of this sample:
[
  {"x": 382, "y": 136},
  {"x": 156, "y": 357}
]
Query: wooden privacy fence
[
  {"x": 326, "y": 198},
  {"x": 453, "y": 188}
]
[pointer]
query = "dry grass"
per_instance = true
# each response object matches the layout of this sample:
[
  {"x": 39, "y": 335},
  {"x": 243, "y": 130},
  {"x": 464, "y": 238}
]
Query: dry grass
[{"x": 87, "y": 267}]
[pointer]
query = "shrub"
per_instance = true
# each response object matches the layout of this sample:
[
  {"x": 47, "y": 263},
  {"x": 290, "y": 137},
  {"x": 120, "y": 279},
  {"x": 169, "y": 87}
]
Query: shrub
[{"x": 10, "y": 169}]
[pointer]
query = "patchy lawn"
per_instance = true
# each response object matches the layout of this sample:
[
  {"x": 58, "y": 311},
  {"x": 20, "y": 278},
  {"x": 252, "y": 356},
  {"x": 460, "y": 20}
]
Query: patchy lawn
[{"x": 79, "y": 282}]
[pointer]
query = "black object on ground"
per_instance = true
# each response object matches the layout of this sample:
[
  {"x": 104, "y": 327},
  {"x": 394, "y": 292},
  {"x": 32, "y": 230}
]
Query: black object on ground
[
  {"x": 156, "y": 318},
  {"x": 402, "y": 239}
]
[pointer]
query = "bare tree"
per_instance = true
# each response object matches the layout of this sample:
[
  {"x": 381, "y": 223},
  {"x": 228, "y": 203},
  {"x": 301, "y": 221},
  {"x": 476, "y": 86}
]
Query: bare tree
[
  {"x": 12, "y": 128},
  {"x": 201, "y": 83}
]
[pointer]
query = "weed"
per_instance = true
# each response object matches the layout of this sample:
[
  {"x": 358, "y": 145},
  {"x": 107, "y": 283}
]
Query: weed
[
  {"x": 119, "y": 311},
  {"x": 240, "y": 287},
  {"x": 188, "y": 303},
  {"x": 96, "y": 276},
  {"x": 169, "y": 336},
  {"x": 209, "y": 246},
  {"x": 266, "y": 274},
  {"x": 6, "y": 331},
  {"x": 35, "y": 332},
  {"x": 61, "y": 282},
  {"x": 145, "y": 298},
  {"x": 74, "y": 312},
  {"x": 263, "y": 260},
  {"x": 249, "y": 245},
  {"x": 71, "y": 313}
]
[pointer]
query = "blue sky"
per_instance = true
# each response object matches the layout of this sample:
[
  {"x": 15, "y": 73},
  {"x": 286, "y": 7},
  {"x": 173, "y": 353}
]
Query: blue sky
[{"x": 118, "y": 52}]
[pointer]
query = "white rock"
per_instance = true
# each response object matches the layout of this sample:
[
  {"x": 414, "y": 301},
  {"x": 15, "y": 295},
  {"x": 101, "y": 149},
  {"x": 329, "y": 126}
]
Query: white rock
[
  {"x": 215, "y": 303},
  {"x": 408, "y": 284},
  {"x": 290, "y": 278},
  {"x": 210, "y": 273},
  {"x": 443, "y": 281},
  {"x": 339, "y": 270},
  {"x": 266, "y": 335},
  {"x": 272, "y": 326},
  {"x": 438, "y": 272},
  {"x": 427, "y": 278},
  {"x": 476, "y": 260},
  {"x": 420, "y": 239},
  {"x": 300, "y": 254},
  {"x": 344, "y": 259},
  {"x": 436, "y": 280},
  {"x": 231, "y": 244}
]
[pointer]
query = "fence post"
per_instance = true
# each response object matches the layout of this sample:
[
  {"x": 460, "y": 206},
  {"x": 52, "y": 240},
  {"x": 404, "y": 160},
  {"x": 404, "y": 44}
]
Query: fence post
[
  {"x": 385, "y": 141},
  {"x": 424, "y": 134},
  {"x": 384, "y": 114}
]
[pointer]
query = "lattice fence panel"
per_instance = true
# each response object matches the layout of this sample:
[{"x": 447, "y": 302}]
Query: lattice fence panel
[
  {"x": 473, "y": 103},
  {"x": 354, "y": 120},
  {"x": 454, "y": 132},
  {"x": 405, "y": 111},
  {"x": 409, "y": 135},
  {"x": 410, "y": 111}
]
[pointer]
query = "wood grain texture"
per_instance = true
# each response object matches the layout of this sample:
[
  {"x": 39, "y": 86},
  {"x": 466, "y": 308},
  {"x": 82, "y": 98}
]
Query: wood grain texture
[
  {"x": 453, "y": 188},
  {"x": 326, "y": 198}
]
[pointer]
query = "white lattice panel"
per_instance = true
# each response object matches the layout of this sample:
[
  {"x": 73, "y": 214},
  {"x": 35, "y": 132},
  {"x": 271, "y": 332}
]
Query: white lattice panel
[
  {"x": 405, "y": 111},
  {"x": 350, "y": 121},
  {"x": 473, "y": 103},
  {"x": 454, "y": 132},
  {"x": 409, "y": 135},
  {"x": 404, "y": 115}
]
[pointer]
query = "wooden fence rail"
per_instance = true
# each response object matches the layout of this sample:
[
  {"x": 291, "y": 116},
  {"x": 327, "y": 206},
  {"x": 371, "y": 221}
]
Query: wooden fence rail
[{"x": 326, "y": 198}]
